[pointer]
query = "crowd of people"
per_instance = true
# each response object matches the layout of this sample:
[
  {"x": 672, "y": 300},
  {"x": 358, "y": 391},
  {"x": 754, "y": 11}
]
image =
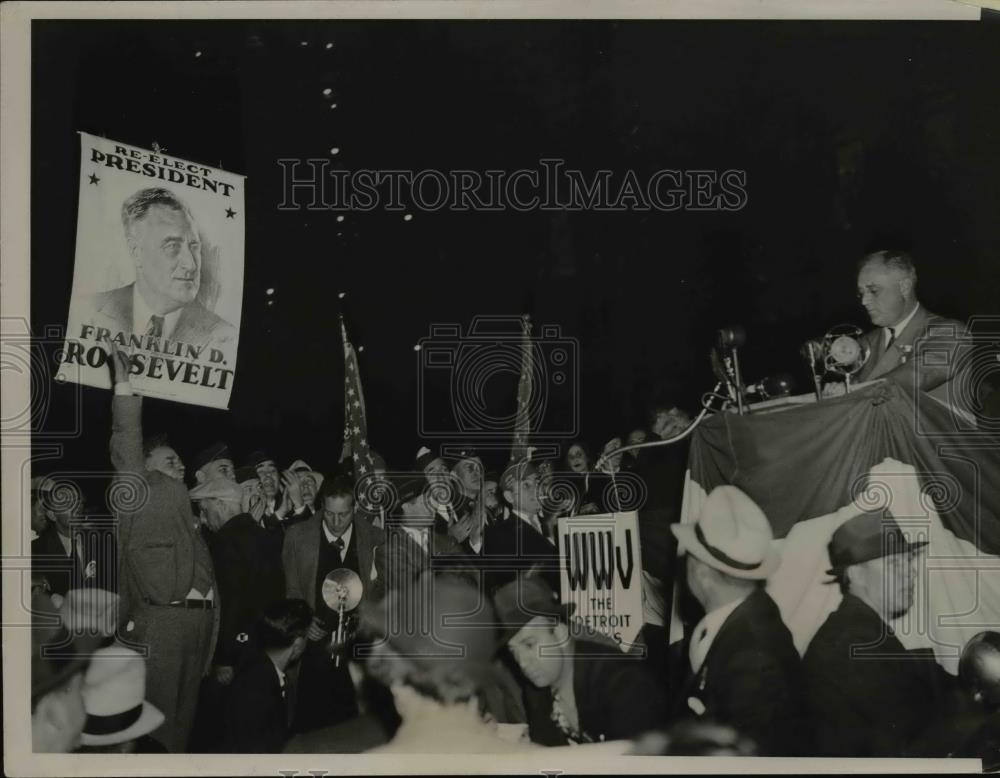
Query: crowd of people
[{"x": 210, "y": 614}]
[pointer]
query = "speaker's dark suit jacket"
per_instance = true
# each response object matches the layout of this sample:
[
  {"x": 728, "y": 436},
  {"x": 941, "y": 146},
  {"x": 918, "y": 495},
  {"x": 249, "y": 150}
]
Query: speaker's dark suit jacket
[{"x": 898, "y": 361}]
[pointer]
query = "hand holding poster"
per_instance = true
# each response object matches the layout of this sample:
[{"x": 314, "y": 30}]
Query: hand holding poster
[
  {"x": 159, "y": 270},
  {"x": 602, "y": 574}
]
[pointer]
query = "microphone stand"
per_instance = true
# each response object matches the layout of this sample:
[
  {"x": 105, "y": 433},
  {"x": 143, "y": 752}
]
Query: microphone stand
[
  {"x": 817, "y": 381},
  {"x": 653, "y": 443},
  {"x": 339, "y": 636}
]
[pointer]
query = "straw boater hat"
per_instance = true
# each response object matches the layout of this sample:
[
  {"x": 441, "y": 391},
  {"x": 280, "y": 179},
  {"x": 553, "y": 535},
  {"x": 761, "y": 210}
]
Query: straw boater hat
[
  {"x": 731, "y": 535},
  {"x": 114, "y": 696}
]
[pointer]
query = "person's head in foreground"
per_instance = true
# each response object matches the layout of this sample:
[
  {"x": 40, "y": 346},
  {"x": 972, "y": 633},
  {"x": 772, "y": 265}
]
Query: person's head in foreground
[
  {"x": 872, "y": 560},
  {"x": 695, "y": 738},
  {"x": 436, "y": 661}
]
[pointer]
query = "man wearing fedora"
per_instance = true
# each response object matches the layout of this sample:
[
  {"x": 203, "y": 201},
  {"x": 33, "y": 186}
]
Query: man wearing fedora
[
  {"x": 248, "y": 568},
  {"x": 868, "y": 695},
  {"x": 579, "y": 687},
  {"x": 742, "y": 667}
]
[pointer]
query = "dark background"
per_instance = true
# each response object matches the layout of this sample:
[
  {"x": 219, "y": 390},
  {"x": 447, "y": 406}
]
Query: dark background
[{"x": 853, "y": 135}]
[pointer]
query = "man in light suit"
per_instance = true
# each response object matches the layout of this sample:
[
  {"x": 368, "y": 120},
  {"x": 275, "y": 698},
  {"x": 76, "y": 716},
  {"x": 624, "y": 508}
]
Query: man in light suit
[
  {"x": 333, "y": 538},
  {"x": 165, "y": 575},
  {"x": 887, "y": 284},
  {"x": 163, "y": 242}
]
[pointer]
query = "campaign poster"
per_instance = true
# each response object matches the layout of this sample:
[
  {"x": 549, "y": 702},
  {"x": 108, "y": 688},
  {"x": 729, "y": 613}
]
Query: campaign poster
[
  {"x": 602, "y": 574},
  {"x": 158, "y": 270}
]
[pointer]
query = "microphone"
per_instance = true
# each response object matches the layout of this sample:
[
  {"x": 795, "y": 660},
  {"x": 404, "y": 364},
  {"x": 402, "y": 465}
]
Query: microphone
[
  {"x": 812, "y": 350},
  {"x": 731, "y": 337}
]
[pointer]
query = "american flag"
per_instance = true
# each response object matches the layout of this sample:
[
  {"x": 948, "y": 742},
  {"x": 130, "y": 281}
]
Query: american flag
[
  {"x": 355, "y": 425},
  {"x": 522, "y": 421}
]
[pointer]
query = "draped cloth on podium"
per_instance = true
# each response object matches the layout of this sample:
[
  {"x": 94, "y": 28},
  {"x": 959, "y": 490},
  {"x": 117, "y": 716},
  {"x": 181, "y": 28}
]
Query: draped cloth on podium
[{"x": 812, "y": 467}]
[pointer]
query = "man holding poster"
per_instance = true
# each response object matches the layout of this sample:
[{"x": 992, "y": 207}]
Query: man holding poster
[{"x": 158, "y": 271}]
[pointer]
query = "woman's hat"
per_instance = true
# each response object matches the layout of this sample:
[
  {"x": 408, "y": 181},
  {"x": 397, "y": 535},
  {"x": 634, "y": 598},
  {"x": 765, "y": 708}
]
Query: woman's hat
[{"x": 523, "y": 599}]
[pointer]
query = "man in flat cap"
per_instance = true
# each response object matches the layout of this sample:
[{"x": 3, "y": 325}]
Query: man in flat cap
[
  {"x": 248, "y": 568},
  {"x": 443, "y": 490},
  {"x": 578, "y": 687},
  {"x": 212, "y": 462},
  {"x": 470, "y": 503},
  {"x": 867, "y": 694},
  {"x": 742, "y": 666},
  {"x": 165, "y": 575}
]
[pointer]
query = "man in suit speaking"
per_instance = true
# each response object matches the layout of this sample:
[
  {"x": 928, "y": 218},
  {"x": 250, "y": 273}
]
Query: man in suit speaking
[
  {"x": 887, "y": 289},
  {"x": 163, "y": 242}
]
